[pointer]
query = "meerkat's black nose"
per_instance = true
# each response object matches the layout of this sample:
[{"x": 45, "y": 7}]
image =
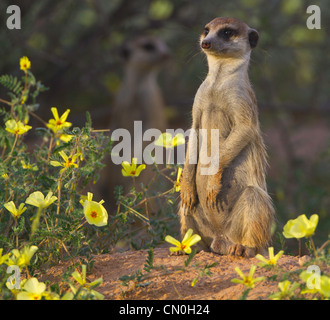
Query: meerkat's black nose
[{"x": 206, "y": 44}]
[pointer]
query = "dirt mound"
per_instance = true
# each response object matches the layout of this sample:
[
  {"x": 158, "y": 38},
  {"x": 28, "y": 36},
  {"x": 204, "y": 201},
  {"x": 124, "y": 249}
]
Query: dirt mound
[{"x": 169, "y": 280}]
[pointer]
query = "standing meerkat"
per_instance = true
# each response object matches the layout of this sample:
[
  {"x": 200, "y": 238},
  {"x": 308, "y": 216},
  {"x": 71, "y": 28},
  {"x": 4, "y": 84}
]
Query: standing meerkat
[{"x": 229, "y": 208}]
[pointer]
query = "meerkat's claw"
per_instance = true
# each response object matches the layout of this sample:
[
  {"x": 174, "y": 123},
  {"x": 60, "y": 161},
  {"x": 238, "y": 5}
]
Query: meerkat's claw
[
  {"x": 187, "y": 207},
  {"x": 177, "y": 253},
  {"x": 239, "y": 250},
  {"x": 188, "y": 201},
  {"x": 211, "y": 197}
]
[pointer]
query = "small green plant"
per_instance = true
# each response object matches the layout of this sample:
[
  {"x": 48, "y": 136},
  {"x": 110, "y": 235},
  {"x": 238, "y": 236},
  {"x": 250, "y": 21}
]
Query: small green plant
[{"x": 45, "y": 214}]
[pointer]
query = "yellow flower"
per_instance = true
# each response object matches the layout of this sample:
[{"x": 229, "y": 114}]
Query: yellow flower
[
  {"x": 17, "y": 127},
  {"x": 89, "y": 197},
  {"x": 324, "y": 284},
  {"x": 25, "y": 63},
  {"x": 22, "y": 258},
  {"x": 94, "y": 211},
  {"x": 272, "y": 259},
  {"x": 300, "y": 227},
  {"x": 59, "y": 123},
  {"x": 5, "y": 176},
  {"x": 248, "y": 281},
  {"x": 177, "y": 184},
  {"x": 131, "y": 170},
  {"x": 68, "y": 161},
  {"x": 81, "y": 279},
  {"x": 65, "y": 137},
  {"x": 3, "y": 258},
  {"x": 51, "y": 296},
  {"x": 29, "y": 166},
  {"x": 188, "y": 241},
  {"x": 32, "y": 290},
  {"x": 286, "y": 290},
  {"x": 37, "y": 199},
  {"x": 167, "y": 141},
  {"x": 11, "y": 207}
]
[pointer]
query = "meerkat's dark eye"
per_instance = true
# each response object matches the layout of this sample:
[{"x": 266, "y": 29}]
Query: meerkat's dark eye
[
  {"x": 227, "y": 33},
  {"x": 148, "y": 46},
  {"x": 206, "y": 32}
]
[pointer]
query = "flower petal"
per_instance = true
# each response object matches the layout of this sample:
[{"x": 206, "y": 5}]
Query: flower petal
[
  {"x": 35, "y": 199},
  {"x": 278, "y": 255},
  {"x": 11, "y": 207},
  {"x": 55, "y": 113},
  {"x": 252, "y": 271},
  {"x": 261, "y": 258},
  {"x": 193, "y": 240},
  {"x": 173, "y": 241},
  {"x": 239, "y": 271},
  {"x": 179, "y": 139},
  {"x": 126, "y": 167},
  {"x": 139, "y": 169},
  {"x": 187, "y": 250},
  {"x": 65, "y": 115},
  {"x": 64, "y": 156},
  {"x": 187, "y": 235}
]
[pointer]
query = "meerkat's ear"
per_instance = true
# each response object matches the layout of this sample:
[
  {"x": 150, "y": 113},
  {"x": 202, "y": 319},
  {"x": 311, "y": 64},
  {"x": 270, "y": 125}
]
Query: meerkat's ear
[{"x": 253, "y": 38}]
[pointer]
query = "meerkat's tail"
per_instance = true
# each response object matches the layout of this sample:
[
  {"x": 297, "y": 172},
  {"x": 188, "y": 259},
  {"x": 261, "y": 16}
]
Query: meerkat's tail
[{"x": 251, "y": 219}]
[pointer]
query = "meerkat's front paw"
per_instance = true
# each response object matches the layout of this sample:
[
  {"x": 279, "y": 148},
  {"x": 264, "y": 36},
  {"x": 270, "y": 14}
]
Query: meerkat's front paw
[
  {"x": 211, "y": 195},
  {"x": 213, "y": 188},
  {"x": 188, "y": 198},
  {"x": 188, "y": 201}
]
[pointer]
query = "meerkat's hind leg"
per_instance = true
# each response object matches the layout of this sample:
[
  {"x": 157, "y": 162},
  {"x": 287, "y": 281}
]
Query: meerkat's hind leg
[{"x": 250, "y": 222}]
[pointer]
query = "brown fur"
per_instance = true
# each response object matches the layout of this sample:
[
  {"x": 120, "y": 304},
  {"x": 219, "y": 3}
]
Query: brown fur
[{"x": 231, "y": 209}]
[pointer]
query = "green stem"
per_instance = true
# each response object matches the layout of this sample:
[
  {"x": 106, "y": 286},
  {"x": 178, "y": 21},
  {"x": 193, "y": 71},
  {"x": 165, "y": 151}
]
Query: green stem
[
  {"x": 59, "y": 196},
  {"x": 169, "y": 158},
  {"x": 12, "y": 149},
  {"x": 313, "y": 246},
  {"x": 35, "y": 222},
  {"x": 50, "y": 147},
  {"x": 15, "y": 219},
  {"x": 6, "y": 102}
]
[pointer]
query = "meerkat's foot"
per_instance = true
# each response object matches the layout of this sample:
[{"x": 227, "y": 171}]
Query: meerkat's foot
[
  {"x": 242, "y": 251},
  {"x": 225, "y": 247},
  {"x": 177, "y": 253}
]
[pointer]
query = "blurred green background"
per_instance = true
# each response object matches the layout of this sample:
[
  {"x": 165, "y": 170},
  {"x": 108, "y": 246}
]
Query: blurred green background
[{"x": 73, "y": 47}]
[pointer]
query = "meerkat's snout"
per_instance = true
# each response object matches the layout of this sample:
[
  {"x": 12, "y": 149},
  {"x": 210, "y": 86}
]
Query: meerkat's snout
[{"x": 206, "y": 44}]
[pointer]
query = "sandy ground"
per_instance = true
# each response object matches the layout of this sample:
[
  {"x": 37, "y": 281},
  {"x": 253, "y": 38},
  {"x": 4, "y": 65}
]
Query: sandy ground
[{"x": 169, "y": 282}]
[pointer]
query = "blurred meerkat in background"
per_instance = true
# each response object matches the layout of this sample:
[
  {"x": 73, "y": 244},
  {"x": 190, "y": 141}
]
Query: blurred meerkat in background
[{"x": 138, "y": 99}]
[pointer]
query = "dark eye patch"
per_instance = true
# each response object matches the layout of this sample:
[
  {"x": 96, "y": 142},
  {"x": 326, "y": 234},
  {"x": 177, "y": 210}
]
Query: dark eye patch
[
  {"x": 227, "y": 33},
  {"x": 206, "y": 31},
  {"x": 148, "y": 46}
]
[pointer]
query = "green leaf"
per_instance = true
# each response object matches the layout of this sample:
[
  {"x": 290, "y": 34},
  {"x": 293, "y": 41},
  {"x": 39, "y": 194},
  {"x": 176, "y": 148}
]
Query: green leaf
[{"x": 190, "y": 257}]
